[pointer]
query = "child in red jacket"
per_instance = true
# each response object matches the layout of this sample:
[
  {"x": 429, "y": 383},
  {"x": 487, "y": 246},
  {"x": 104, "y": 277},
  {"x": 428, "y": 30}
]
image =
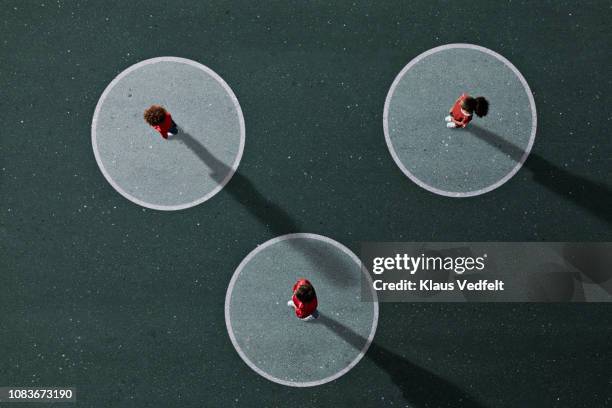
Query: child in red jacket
[
  {"x": 304, "y": 300},
  {"x": 161, "y": 120},
  {"x": 463, "y": 109}
]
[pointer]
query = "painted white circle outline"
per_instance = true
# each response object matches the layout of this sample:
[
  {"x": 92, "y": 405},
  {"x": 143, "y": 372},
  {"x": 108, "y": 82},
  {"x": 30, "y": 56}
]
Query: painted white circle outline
[
  {"x": 228, "y": 322},
  {"x": 221, "y": 82},
  {"x": 534, "y": 121}
]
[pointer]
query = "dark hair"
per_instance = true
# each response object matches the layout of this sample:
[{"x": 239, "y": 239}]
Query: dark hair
[
  {"x": 155, "y": 115},
  {"x": 479, "y": 106},
  {"x": 305, "y": 293}
]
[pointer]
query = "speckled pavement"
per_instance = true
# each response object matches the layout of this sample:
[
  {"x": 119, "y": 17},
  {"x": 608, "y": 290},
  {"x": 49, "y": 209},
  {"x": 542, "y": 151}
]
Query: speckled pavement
[
  {"x": 126, "y": 304},
  {"x": 148, "y": 169},
  {"x": 265, "y": 331},
  {"x": 452, "y": 161}
]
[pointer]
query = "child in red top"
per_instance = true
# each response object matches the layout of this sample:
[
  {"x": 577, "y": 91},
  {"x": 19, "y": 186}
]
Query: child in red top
[
  {"x": 463, "y": 109},
  {"x": 161, "y": 120},
  {"x": 304, "y": 300}
]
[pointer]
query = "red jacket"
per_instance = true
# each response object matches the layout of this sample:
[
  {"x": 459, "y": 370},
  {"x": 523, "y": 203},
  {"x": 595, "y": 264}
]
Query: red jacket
[
  {"x": 460, "y": 119},
  {"x": 303, "y": 310},
  {"x": 165, "y": 126}
]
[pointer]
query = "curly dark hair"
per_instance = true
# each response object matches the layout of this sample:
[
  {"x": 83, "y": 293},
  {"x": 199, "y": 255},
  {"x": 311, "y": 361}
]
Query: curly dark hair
[
  {"x": 479, "y": 106},
  {"x": 155, "y": 115},
  {"x": 305, "y": 293}
]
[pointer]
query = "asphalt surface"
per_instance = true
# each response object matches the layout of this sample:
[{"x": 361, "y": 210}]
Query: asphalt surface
[
  {"x": 267, "y": 332},
  {"x": 452, "y": 161},
  {"x": 163, "y": 173},
  {"x": 126, "y": 304}
]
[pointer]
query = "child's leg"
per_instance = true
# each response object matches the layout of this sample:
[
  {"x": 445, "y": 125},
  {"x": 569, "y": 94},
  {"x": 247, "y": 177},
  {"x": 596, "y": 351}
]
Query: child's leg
[
  {"x": 313, "y": 316},
  {"x": 173, "y": 129}
]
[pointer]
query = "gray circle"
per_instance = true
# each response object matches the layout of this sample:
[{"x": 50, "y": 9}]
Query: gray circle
[
  {"x": 168, "y": 174},
  {"x": 459, "y": 162},
  {"x": 266, "y": 333}
]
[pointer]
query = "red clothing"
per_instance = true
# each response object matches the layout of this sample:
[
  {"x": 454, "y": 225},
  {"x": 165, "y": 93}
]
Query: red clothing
[
  {"x": 303, "y": 310},
  {"x": 460, "y": 119},
  {"x": 165, "y": 126}
]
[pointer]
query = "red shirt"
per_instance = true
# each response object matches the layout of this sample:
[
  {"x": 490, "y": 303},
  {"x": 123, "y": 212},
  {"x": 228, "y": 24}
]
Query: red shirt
[
  {"x": 459, "y": 117},
  {"x": 303, "y": 310},
  {"x": 164, "y": 126}
]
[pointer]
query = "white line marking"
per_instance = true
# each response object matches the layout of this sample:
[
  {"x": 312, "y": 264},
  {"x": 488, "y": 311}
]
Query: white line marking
[
  {"x": 534, "y": 121},
  {"x": 141, "y": 64},
  {"x": 228, "y": 298}
]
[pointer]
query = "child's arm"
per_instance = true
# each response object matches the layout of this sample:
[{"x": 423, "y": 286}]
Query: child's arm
[
  {"x": 463, "y": 123},
  {"x": 299, "y": 312},
  {"x": 164, "y": 135},
  {"x": 458, "y": 101},
  {"x": 158, "y": 128},
  {"x": 457, "y": 122}
]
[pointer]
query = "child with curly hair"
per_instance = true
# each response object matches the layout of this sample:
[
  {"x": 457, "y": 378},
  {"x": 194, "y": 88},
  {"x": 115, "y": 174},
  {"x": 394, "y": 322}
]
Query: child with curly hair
[
  {"x": 304, "y": 300},
  {"x": 161, "y": 120},
  {"x": 463, "y": 109}
]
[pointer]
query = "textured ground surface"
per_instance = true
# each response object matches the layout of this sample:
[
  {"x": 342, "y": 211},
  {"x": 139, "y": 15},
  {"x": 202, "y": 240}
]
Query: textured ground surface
[
  {"x": 266, "y": 329},
  {"x": 127, "y": 304},
  {"x": 451, "y": 160},
  {"x": 153, "y": 171}
]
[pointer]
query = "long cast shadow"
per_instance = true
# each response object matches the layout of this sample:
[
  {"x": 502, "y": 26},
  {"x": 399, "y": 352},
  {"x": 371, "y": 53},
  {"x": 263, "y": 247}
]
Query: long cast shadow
[
  {"x": 594, "y": 197},
  {"x": 275, "y": 218},
  {"x": 593, "y": 260},
  {"x": 241, "y": 189},
  {"x": 418, "y": 385}
]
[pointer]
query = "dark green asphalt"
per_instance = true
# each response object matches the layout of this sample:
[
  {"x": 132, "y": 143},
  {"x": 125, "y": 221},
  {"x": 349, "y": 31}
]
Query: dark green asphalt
[{"x": 126, "y": 304}]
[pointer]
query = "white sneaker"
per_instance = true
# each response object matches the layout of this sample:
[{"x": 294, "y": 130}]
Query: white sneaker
[
  {"x": 448, "y": 119},
  {"x": 451, "y": 125},
  {"x": 313, "y": 316},
  {"x": 290, "y": 303}
]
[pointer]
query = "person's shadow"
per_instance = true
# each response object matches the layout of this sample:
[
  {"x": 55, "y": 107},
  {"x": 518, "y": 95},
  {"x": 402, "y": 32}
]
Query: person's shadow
[
  {"x": 418, "y": 385},
  {"x": 275, "y": 218},
  {"x": 596, "y": 198},
  {"x": 240, "y": 188}
]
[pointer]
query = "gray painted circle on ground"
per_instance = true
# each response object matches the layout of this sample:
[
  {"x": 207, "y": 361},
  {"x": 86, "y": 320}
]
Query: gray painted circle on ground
[
  {"x": 265, "y": 331},
  {"x": 459, "y": 162},
  {"x": 186, "y": 169}
]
